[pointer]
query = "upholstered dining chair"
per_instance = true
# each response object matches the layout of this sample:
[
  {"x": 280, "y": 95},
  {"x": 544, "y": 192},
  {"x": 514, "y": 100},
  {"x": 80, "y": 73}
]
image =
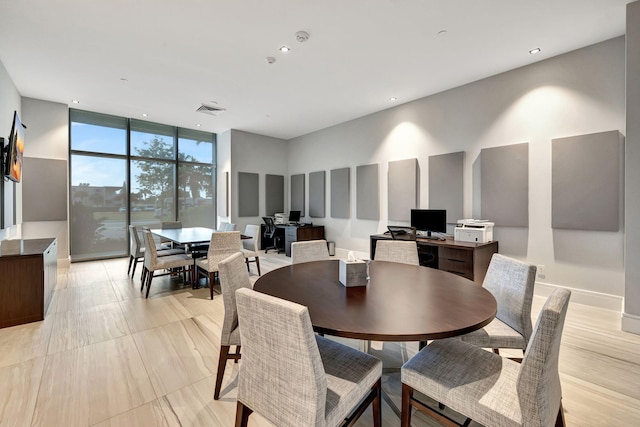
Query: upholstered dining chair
[
  {"x": 405, "y": 252},
  {"x": 137, "y": 248},
  {"x": 492, "y": 390},
  {"x": 511, "y": 282},
  {"x": 250, "y": 246},
  {"x": 222, "y": 245},
  {"x": 232, "y": 276},
  {"x": 227, "y": 226},
  {"x": 153, "y": 263},
  {"x": 293, "y": 377},
  {"x": 169, "y": 225},
  {"x": 309, "y": 250}
]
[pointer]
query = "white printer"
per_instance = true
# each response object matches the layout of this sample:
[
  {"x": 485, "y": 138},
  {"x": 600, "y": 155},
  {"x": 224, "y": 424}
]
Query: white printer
[
  {"x": 280, "y": 218},
  {"x": 473, "y": 230}
]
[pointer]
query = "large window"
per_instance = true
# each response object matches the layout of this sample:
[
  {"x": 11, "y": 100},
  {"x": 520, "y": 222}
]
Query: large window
[{"x": 127, "y": 171}]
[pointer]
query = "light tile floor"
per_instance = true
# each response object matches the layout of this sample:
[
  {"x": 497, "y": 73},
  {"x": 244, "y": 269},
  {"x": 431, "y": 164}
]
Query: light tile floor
[{"x": 106, "y": 356}]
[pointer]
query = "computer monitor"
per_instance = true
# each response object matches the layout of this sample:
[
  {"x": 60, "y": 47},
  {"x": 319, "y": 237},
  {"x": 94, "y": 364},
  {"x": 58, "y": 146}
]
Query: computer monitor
[
  {"x": 294, "y": 216},
  {"x": 429, "y": 220}
]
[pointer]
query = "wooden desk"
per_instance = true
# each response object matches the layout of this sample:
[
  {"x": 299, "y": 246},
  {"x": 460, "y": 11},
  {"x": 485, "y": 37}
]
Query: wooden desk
[
  {"x": 292, "y": 233},
  {"x": 401, "y": 302},
  {"x": 27, "y": 282},
  {"x": 466, "y": 259}
]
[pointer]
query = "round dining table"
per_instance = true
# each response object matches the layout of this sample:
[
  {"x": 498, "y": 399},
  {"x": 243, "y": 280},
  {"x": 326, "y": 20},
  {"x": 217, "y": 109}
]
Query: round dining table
[{"x": 400, "y": 302}]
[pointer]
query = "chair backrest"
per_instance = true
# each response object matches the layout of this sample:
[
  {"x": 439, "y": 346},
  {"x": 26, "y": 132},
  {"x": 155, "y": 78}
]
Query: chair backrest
[
  {"x": 310, "y": 250},
  {"x": 281, "y": 375},
  {"x": 397, "y": 251},
  {"x": 171, "y": 225},
  {"x": 270, "y": 228},
  {"x": 402, "y": 232},
  {"x": 224, "y": 242},
  {"x": 253, "y": 243},
  {"x": 538, "y": 382},
  {"x": 135, "y": 245},
  {"x": 511, "y": 282},
  {"x": 150, "y": 252},
  {"x": 233, "y": 276}
]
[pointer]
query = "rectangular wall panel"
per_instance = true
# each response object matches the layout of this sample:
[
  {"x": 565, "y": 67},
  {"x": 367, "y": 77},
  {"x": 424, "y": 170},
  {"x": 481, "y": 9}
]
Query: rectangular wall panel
[
  {"x": 274, "y": 194},
  {"x": 44, "y": 189},
  {"x": 505, "y": 185},
  {"x": 297, "y": 193},
  {"x": 367, "y": 193},
  {"x": 446, "y": 185},
  {"x": 317, "y": 194},
  {"x": 248, "y": 194},
  {"x": 587, "y": 178},
  {"x": 403, "y": 190},
  {"x": 340, "y": 193}
]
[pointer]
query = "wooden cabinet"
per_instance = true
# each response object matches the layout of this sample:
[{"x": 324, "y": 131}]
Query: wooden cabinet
[
  {"x": 294, "y": 233},
  {"x": 466, "y": 259},
  {"x": 27, "y": 282}
]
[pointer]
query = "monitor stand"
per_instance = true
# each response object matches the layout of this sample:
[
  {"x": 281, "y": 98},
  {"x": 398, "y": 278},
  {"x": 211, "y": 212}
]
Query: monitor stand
[{"x": 428, "y": 236}]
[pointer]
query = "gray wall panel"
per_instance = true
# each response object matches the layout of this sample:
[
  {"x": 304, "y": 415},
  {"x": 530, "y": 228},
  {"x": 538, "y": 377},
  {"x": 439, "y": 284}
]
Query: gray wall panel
[
  {"x": 44, "y": 190},
  {"x": 403, "y": 190},
  {"x": 340, "y": 193},
  {"x": 317, "y": 194},
  {"x": 297, "y": 193},
  {"x": 446, "y": 186},
  {"x": 367, "y": 193},
  {"x": 274, "y": 194},
  {"x": 505, "y": 185},
  {"x": 586, "y": 173},
  {"x": 248, "y": 194}
]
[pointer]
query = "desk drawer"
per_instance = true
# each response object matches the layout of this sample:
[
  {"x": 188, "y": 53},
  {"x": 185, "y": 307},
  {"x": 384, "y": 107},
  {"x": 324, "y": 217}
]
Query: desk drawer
[{"x": 456, "y": 254}]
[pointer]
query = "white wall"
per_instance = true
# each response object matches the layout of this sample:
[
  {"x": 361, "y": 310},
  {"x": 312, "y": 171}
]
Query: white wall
[
  {"x": 223, "y": 165},
  {"x": 256, "y": 154},
  {"x": 47, "y": 138},
  {"x": 577, "y": 93}
]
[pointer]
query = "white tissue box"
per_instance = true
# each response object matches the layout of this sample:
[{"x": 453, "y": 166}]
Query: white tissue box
[
  {"x": 353, "y": 273},
  {"x": 11, "y": 247}
]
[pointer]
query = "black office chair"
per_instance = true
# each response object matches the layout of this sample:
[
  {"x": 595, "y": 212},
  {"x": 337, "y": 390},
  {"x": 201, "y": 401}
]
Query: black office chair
[
  {"x": 270, "y": 233},
  {"x": 402, "y": 232}
]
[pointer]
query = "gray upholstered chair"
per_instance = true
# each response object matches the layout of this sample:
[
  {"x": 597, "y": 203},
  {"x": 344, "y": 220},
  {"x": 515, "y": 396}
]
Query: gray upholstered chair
[
  {"x": 293, "y": 377},
  {"x": 137, "y": 248},
  {"x": 488, "y": 388},
  {"x": 310, "y": 250},
  {"x": 169, "y": 225},
  {"x": 227, "y": 226},
  {"x": 405, "y": 252},
  {"x": 153, "y": 263},
  {"x": 511, "y": 282},
  {"x": 233, "y": 276},
  {"x": 250, "y": 246},
  {"x": 222, "y": 245}
]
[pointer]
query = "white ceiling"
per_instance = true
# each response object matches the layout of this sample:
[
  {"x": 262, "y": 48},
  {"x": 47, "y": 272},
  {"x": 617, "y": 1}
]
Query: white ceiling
[{"x": 176, "y": 55}]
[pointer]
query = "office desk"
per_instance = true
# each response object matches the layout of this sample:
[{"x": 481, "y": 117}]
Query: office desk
[
  {"x": 293, "y": 233},
  {"x": 466, "y": 259}
]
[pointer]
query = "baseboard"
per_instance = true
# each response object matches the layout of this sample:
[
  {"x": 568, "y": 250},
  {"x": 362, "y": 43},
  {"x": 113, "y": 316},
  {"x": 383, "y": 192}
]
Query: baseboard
[
  {"x": 64, "y": 262},
  {"x": 631, "y": 323},
  {"x": 581, "y": 296}
]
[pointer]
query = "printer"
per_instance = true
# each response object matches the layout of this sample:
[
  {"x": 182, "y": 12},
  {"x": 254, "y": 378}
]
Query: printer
[
  {"x": 280, "y": 218},
  {"x": 473, "y": 230}
]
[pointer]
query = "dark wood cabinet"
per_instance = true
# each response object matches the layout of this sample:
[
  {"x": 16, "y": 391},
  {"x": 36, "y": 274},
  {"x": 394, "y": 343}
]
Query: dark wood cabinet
[
  {"x": 27, "y": 282},
  {"x": 293, "y": 233},
  {"x": 466, "y": 259}
]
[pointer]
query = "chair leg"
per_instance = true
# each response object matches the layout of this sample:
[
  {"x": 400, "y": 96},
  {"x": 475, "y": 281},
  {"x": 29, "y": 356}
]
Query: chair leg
[
  {"x": 211, "y": 282},
  {"x": 237, "y": 353},
  {"x": 496, "y": 351},
  {"x": 150, "y": 278},
  {"x": 376, "y": 405},
  {"x": 143, "y": 278},
  {"x": 405, "y": 418},
  {"x": 135, "y": 264},
  {"x": 130, "y": 261},
  {"x": 246, "y": 261},
  {"x": 258, "y": 264},
  {"x": 222, "y": 363},
  {"x": 242, "y": 414}
]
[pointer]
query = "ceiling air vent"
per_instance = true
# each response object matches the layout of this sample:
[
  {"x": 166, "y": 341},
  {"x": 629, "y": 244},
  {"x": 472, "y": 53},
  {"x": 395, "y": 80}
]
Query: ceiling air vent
[{"x": 211, "y": 110}]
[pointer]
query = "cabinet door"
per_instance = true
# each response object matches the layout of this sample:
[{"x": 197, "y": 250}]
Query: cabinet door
[{"x": 456, "y": 261}]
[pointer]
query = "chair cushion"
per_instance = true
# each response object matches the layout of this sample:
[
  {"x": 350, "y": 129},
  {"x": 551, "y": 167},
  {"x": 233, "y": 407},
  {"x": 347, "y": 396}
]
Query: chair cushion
[
  {"x": 350, "y": 376},
  {"x": 477, "y": 383},
  {"x": 165, "y": 252},
  {"x": 173, "y": 261},
  {"x": 496, "y": 334}
]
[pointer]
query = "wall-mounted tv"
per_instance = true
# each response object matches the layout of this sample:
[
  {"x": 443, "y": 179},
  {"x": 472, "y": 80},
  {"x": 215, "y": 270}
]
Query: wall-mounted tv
[{"x": 12, "y": 167}]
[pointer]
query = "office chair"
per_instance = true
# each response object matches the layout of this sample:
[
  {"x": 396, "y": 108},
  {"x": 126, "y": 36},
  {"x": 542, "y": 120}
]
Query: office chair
[
  {"x": 399, "y": 232},
  {"x": 270, "y": 233}
]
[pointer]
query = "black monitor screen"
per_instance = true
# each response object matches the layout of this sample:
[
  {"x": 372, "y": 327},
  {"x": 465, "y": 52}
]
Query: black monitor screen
[
  {"x": 294, "y": 216},
  {"x": 429, "y": 220}
]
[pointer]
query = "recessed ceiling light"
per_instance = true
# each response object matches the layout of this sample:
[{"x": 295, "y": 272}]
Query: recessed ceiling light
[
  {"x": 75, "y": 101},
  {"x": 284, "y": 49},
  {"x": 442, "y": 33},
  {"x": 145, "y": 115},
  {"x": 270, "y": 59},
  {"x": 534, "y": 51},
  {"x": 123, "y": 80},
  {"x": 198, "y": 125},
  {"x": 393, "y": 98}
]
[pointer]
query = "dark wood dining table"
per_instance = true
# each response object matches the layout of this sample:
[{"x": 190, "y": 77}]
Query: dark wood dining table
[{"x": 401, "y": 302}]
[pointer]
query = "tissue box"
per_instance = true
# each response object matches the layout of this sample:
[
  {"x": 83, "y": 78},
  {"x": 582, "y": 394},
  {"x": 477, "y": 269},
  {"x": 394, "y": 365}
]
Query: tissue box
[
  {"x": 11, "y": 247},
  {"x": 353, "y": 273}
]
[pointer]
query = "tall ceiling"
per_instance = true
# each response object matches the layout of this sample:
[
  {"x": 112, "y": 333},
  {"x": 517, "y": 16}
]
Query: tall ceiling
[{"x": 165, "y": 58}]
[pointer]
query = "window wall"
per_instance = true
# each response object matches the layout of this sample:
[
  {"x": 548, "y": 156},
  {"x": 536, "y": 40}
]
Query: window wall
[{"x": 128, "y": 171}]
